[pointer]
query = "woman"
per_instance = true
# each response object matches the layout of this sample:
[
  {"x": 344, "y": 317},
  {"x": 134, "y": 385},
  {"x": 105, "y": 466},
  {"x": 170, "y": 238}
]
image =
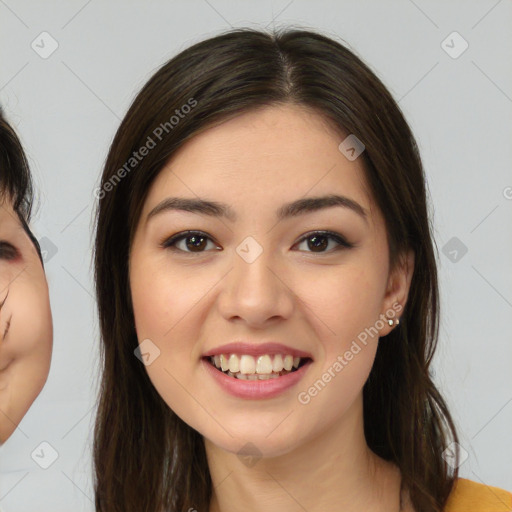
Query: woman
[
  {"x": 267, "y": 292},
  {"x": 26, "y": 332}
]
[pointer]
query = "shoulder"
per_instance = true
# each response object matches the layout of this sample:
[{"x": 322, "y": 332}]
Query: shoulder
[{"x": 469, "y": 496}]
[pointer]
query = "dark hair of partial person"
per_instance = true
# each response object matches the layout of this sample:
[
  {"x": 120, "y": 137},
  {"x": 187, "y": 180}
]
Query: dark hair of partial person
[
  {"x": 145, "y": 456},
  {"x": 15, "y": 178}
]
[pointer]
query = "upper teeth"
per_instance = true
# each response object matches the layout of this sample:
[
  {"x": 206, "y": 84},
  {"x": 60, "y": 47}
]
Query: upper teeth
[{"x": 264, "y": 364}]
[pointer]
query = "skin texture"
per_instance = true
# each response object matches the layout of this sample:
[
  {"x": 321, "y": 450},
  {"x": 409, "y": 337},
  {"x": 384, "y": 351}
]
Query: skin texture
[
  {"x": 189, "y": 302},
  {"x": 26, "y": 331}
]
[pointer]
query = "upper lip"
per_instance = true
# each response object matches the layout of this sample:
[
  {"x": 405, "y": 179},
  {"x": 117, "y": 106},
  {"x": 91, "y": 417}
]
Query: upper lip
[{"x": 256, "y": 349}]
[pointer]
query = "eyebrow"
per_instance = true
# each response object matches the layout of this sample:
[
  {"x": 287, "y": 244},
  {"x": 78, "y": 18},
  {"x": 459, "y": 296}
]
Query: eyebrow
[{"x": 288, "y": 210}]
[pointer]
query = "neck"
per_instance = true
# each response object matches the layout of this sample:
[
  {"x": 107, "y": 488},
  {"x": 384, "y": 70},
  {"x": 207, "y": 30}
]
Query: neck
[{"x": 335, "y": 470}]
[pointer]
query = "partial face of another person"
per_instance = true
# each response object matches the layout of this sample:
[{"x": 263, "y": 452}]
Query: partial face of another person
[
  {"x": 26, "y": 331},
  {"x": 261, "y": 278}
]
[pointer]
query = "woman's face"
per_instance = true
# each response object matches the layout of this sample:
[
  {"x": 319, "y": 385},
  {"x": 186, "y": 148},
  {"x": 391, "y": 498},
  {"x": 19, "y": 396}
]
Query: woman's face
[
  {"x": 25, "y": 322},
  {"x": 256, "y": 277}
]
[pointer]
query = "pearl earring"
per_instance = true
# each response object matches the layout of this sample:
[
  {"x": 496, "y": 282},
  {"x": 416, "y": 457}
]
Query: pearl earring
[{"x": 392, "y": 322}]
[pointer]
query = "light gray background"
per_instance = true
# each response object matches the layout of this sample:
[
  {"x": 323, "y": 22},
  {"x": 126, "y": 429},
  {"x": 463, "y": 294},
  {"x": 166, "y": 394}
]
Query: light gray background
[{"x": 67, "y": 107}]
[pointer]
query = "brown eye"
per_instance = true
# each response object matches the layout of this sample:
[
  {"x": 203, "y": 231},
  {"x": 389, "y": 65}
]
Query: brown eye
[
  {"x": 318, "y": 241},
  {"x": 8, "y": 251},
  {"x": 195, "y": 242}
]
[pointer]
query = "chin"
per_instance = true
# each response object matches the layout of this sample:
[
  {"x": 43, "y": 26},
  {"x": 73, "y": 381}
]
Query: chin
[{"x": 254, "y": 440}]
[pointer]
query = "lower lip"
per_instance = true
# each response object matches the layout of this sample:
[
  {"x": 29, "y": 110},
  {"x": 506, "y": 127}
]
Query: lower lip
[{"x": 256, "y": 389}]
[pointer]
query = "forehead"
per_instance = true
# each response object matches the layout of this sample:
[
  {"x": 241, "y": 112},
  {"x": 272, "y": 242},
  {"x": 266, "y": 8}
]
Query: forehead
[
  {"x": 8, "y": 217},
  {"x": 256, "y": 138},
  {"x": 265, "y": 155}
]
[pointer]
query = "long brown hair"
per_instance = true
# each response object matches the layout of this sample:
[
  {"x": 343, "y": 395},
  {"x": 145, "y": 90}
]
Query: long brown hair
[{"x": 145, "y": 457}]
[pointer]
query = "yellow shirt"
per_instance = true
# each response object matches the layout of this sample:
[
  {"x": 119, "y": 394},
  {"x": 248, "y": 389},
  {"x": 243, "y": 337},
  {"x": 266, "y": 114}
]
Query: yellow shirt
[{"x": 469, "y": 496}]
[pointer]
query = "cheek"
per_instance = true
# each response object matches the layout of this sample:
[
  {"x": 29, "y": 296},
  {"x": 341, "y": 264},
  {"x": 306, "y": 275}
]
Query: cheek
[
  {"x": 27, "y": 347},
  {"x": 167, "y": 311},
  {"x": 160, "y": 298},
  {"x": 346, "y": 300},
  {"x": 163, "y": 301},
  {"x": 158, "y": 309},
  {"x": 165, "y": 291},
  {"x": 30, "y": 333},
  {"x": 346, "y": 303}
]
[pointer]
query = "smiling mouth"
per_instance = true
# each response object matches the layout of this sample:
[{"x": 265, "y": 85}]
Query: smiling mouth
[{"x": 265, "y": 367}]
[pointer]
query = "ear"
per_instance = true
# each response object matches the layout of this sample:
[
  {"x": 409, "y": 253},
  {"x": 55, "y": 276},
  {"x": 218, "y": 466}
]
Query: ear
[{"x": 397, "y": 291}]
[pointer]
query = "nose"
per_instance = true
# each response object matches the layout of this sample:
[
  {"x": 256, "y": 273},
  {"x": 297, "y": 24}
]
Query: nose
[{"x": 256, "y": 292}]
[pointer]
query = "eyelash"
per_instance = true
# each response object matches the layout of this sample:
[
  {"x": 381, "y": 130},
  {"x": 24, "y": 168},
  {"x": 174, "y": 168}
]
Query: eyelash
[{"x": 168, "y": 243}]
